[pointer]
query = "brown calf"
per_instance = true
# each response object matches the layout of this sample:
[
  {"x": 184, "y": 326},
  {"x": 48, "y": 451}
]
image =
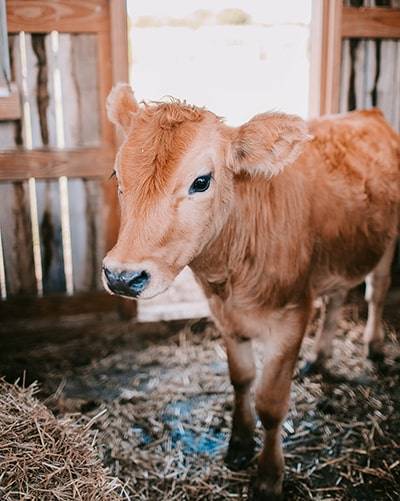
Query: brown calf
[{"x": 268, "y": 215}]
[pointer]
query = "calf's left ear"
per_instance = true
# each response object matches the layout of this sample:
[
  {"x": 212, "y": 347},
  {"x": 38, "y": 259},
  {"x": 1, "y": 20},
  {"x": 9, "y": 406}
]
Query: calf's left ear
[
  {"x": 121, "y": 105},
  {"x": 267, "y": 143}
]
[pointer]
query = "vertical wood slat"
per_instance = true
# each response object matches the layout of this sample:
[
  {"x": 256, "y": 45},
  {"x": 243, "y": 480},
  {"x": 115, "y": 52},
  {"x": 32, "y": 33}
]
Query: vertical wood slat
[
  {"x": 8, "y": 128},
  {"x": 331, "y": 101},
  {"x": 48, "y": 191},
  {"x": 17, "y": 239},
  {"x": 9, "y": 278},
  {"x": 88, "y": 252},
  {"x": 345, "y": 75},
  {"x": 15, "y": 220},
  {"x": 78, "y": 54},
  {"x": 388, "y": 83},
  {"x": 325, "y": 56},
  {"x": 114, "y": 49}
]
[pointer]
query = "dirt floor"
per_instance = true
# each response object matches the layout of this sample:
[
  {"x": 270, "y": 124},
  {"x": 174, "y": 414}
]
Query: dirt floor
[{"x": 163, "y": 401}]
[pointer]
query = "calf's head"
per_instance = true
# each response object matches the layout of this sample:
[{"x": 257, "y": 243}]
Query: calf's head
[{"x": 176, "y": 171}]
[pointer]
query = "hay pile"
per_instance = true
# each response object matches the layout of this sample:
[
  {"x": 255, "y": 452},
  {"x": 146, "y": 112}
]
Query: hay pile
[{"x": 45, "y": 458}]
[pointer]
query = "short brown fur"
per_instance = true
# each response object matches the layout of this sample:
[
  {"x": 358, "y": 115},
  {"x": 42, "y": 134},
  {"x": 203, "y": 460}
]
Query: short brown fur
[{"x": 262, "y": 245}]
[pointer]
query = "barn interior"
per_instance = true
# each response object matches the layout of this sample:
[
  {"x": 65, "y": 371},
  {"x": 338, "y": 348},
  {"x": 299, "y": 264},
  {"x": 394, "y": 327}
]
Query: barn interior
[{"x": 149, "y": 379}]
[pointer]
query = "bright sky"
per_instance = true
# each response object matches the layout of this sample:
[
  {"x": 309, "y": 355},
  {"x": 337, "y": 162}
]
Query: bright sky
[{"x": 262, "y": 11}]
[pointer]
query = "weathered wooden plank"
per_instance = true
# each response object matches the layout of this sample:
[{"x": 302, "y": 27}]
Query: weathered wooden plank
[
  {"x": 78, "y": 226},
  {"x": 88, "y": 252},
  {"x": 115, "y": 49},
  {"x": 7, "y": 140},
  {"x": 51, "y": 245},
  {"x": 87, "y": 236},
  {"x": 16, "y": 234},
  {"x": 396, "y": 87},
  {"x": 71, "y": 138},
  {"x": 15, "y": 221},
  {"x": 48, "y": 192},
  {"x": 33, "y": 137},
  {"x": 18, "y": 70},
  {"x": 365, "y": 22},
  {"x": 363, "y": 63},
  {"x": 34, "y": 73},
  {"x": 53, "y": 163},
  {"x": 10, "y": 107},
  {"x": 5, "y": 74},
  {"x": 15, "y": 230},
  {"x": 81, "y": 115},
  {"x": 325, "y": 62},
  {"x": 119, "y": 46},
  {"x": 345, "y": 72},
  {"x": 386, "y": 89},
  {"x": 84, "y": 69},
  {"x": 360, "y": 80},
  {"x": 56, "y": 305},
  {"x": 64, "y": 16},
  {"x": 370, "y": 70},
  {"x": 108, "y": 74}
]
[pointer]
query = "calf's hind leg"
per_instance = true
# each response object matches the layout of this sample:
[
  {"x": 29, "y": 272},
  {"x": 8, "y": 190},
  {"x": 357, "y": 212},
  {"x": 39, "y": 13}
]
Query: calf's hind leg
[
  {"x": 377, "y": 285},
  {"x": 322, "y": 348}
]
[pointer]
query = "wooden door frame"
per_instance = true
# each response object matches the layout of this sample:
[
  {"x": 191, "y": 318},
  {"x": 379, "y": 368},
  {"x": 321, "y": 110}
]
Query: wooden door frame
[
  {"x": 331, "y": 22},
  {"x": 325, "y": 51}
]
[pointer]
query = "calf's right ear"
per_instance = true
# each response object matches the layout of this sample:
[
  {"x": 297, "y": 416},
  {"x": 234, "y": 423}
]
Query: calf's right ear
[
  {"x": 267, "y": 143},
  {"x": 121, "y": 106}
]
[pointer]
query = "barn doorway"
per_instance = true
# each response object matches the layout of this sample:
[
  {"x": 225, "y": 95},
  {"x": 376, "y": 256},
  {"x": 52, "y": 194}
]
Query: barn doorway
[{"x": 235, "y": 57}]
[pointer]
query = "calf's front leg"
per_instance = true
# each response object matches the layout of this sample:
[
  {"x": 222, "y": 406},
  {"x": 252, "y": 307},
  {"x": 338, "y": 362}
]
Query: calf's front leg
[
  {"x": 272, "y": 398},
  {"x": 242, "y": 372}
]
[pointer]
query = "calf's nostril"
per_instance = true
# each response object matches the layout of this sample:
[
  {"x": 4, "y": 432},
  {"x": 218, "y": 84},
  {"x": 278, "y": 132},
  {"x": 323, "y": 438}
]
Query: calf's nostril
[
  {"x": 139, "y": 280},
  {"x": 126, "y": 283},
  {"x": 109, "y": 274}
]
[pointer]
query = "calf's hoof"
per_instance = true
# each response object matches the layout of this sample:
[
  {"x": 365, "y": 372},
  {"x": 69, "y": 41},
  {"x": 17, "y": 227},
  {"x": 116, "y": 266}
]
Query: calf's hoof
[
  {"x": 375, "y": 352},
  {"x": 264, "y": 491},
  {"x": 239, "y": 454},
  {"x": 310, "y": 369},
  {"x": 201, "y": 325}
]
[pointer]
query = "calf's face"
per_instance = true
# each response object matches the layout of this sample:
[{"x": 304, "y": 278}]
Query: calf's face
[{"x": 176, "y": 173}]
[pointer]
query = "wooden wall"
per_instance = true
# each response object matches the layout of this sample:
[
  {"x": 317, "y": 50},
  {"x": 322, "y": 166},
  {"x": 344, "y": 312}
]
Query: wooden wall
[
  {"x": 355, "y": 60},
  {"x": 370, "y": 70},
  {"x": 58, "y": 209},
  {"x": 370, "y": 74},
  {"x": 50, "y": 227}
]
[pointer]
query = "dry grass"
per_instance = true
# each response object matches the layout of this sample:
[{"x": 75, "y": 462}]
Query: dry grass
[
  {"x": 168, "y": 410},
  {"x": 166, "y": 434},
  {"x": 45, "y": 458}
]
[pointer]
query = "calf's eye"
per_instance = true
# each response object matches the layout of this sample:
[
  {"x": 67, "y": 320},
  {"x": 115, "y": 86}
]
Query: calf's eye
[{"x": 201, "y": 183}]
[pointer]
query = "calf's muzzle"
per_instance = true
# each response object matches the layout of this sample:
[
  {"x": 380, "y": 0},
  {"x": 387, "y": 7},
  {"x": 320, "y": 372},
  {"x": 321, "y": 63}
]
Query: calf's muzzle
[{"x": 126, "y": 283}]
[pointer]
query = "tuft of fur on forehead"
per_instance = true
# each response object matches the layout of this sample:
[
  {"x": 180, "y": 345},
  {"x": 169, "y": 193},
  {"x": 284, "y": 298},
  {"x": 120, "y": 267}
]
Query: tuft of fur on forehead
[
  {"x": 161, "y": 133},
  {"x": 172, "y": 112}
]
